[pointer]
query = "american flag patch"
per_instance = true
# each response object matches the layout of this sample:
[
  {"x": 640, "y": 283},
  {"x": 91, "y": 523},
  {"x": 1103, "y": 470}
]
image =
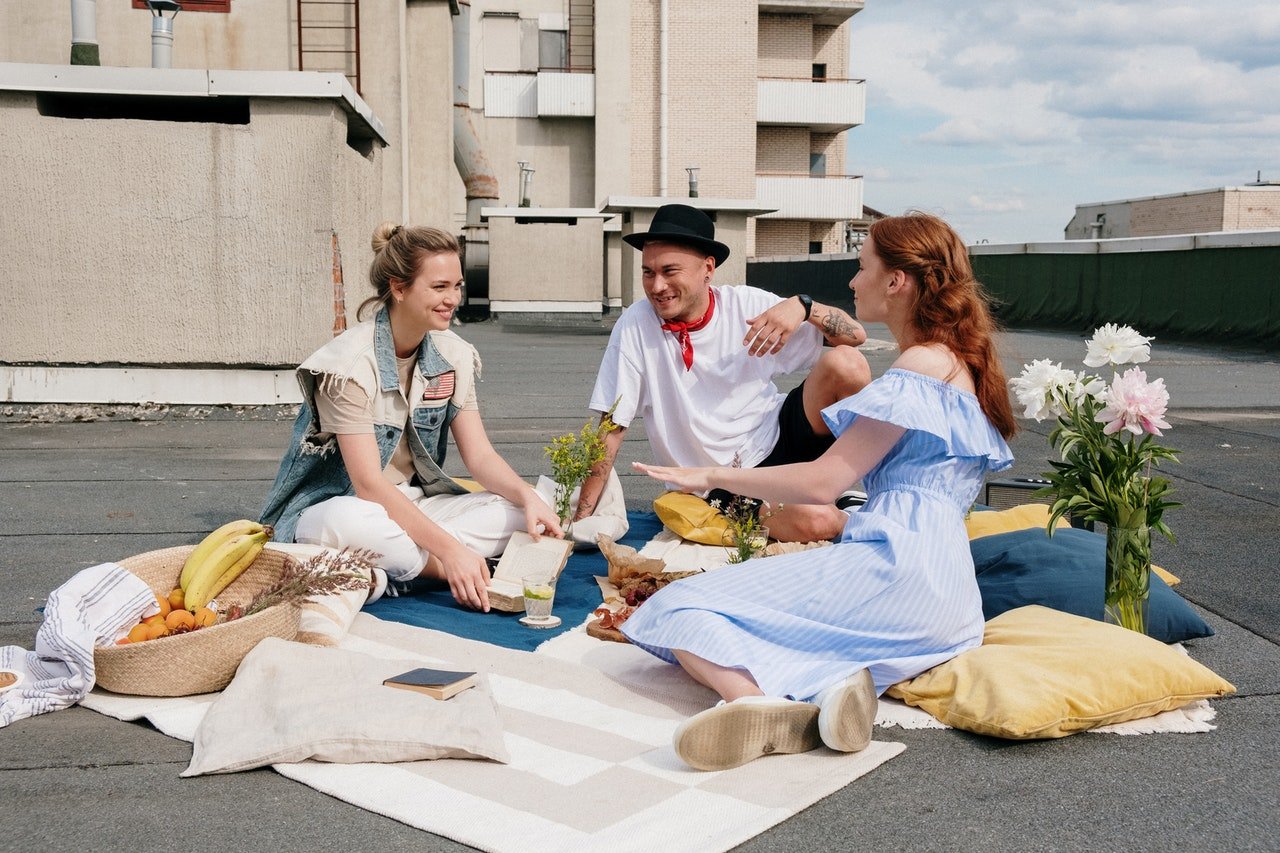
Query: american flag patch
[{"x": 439, "y": 387}]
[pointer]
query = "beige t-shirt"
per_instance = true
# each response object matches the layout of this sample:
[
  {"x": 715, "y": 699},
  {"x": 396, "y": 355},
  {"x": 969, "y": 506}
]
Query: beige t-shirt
[{"x": 348, "y": 411}]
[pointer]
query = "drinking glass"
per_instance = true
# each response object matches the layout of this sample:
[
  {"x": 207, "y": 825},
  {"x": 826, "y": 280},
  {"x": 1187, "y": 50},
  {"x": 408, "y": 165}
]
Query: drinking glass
[{"x": 539, "y": 593}]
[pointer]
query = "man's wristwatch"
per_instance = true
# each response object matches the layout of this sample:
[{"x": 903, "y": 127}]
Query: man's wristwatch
[{"x": 807, "y": 301}]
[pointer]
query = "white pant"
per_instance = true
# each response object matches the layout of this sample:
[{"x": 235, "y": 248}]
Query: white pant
[{"x": 482, "y": 521}]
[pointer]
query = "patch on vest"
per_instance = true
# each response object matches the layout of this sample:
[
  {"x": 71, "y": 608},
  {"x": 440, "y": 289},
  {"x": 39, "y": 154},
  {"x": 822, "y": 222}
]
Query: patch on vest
[{"x": 439, "y": 387}]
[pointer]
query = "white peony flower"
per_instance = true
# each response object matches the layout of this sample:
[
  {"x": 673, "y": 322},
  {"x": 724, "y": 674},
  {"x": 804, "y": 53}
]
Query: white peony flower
[
  {"x": 1042, "y": 387},
  {"x": 1113, "y": 344}
]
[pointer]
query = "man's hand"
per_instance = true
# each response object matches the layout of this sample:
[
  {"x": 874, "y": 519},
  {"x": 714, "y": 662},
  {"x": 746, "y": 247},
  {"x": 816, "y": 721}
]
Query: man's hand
[
  {"x": 468, "y": 577},
  {"x": 692, "y": 480},
  {"x": 768, "y": 333}
]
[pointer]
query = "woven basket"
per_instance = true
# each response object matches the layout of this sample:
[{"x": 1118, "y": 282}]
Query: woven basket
[{"x": 200, "y": 661}]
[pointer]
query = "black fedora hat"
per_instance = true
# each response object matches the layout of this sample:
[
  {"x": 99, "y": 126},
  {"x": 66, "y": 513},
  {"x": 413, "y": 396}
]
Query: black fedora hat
[{"x": 680, "y": 223}]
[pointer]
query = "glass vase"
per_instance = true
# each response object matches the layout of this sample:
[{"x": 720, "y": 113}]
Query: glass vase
[
  {"x": 1128, "y": 576},
  {"x": 744, "y": 545}
]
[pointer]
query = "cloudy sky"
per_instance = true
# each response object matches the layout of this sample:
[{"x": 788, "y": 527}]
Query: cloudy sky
[{"x": 1002, "y": 115}]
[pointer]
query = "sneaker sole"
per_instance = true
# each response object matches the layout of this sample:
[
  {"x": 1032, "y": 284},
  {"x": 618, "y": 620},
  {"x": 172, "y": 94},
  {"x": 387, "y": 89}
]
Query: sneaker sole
[
  {"x": 845, "y": 720},
  {"x": 732, "y": 734}
]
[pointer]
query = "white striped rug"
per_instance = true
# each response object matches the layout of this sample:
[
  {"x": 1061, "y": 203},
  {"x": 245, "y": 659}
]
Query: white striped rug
[{"x": 591, "y": 760}]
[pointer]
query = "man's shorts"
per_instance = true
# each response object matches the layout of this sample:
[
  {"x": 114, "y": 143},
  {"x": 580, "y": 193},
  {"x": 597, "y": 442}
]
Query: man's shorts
[{"x": 797, "y": 442}]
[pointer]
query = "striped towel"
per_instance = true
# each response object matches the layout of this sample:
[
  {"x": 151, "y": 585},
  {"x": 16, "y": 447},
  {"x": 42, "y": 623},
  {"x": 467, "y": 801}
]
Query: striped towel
[{"x": 88, "y": 610}]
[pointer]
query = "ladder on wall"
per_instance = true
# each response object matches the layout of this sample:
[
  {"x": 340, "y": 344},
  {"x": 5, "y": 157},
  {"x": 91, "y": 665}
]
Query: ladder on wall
[
  {"x": 582, "y": 35},
  {"x": 329, "y": 37}
]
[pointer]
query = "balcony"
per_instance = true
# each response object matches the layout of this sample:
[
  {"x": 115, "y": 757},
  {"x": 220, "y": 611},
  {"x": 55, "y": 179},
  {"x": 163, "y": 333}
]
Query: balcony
[
  {"x": 830, "y": 13},
  {"x": 799, "y": 196},
  {"x": 566, "y": 94},
  {"x": 828, "y": 106},
  {"x": 547, "y": 94}
]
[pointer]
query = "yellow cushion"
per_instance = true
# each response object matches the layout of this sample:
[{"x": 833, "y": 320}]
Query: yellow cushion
[
  {"x": 1041, "y": 673},
  {"x": 1024, "y": 517},
  {"x": 691, "y": 518},
  {"x": 469, "y": 485}
]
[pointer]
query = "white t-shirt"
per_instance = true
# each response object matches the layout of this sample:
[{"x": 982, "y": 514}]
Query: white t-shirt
[{"x": 726, "y": 404}]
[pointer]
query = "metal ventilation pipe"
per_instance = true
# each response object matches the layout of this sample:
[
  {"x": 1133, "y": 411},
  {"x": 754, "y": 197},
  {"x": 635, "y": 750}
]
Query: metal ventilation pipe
[
  {"x": 473, "y": 166},
  {"x": 84, "y": 32},
  {"x": 162, "y": 32}
]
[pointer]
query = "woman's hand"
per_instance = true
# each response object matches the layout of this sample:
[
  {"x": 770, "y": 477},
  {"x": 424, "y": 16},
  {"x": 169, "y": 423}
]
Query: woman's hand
[
  {"x": 691, "y": 480},
  {"x": 540, "y": 518},
  {"x": 468, "y": 576}
]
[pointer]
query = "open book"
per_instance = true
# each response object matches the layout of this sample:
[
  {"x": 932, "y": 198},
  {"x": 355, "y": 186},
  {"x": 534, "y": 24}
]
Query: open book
[
  {"x": 436, "y": 683},
  {"x": 523, "y": 557}
]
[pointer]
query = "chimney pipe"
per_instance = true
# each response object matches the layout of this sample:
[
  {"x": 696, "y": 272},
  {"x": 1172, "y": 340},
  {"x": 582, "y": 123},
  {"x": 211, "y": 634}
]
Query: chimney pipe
[
  {"x": 84, "y": 32},
  {"x": 162, "y": 32}
]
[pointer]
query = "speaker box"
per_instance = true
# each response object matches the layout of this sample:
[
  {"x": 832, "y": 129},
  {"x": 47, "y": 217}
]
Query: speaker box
[{"x": 1014, "y": 491}]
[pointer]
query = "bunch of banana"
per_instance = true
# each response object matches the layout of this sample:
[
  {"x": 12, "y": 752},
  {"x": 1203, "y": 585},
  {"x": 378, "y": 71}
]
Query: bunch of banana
[{"x": 219, "y": 559}]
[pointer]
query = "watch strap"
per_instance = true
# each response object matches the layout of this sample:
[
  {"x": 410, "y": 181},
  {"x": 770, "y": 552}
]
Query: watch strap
[{"x": 807, "y": 301}]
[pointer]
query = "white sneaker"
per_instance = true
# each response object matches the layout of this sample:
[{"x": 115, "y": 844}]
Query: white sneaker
[
  {"x": 851, "y": 499},
  {"x": 377, "y": 586},
  {"x": 847, "y": 711},
  {"x": 733, "y": 733}
]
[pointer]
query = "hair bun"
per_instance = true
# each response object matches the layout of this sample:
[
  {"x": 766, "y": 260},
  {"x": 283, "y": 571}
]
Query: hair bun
[{"x": 382, "y": 235}]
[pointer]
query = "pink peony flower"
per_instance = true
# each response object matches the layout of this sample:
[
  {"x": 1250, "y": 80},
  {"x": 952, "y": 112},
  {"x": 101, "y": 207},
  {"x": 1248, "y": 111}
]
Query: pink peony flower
[{"x": 1134, "y": 404}]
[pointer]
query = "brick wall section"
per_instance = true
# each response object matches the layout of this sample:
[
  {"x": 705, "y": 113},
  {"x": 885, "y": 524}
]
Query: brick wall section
[
  {"x": 786, "y": 45},
  {"x": 781, "y": 237},
  {"x": 1188, "y": 214},
  {"x": 831, "y": 45},
  {"x": 782, "y": 149},
  {"x": 833, "y": 145},
  {"x": 830, "y": 233},
  {"x": 1252, "y": 209},
  {"x": 711, "y": 102}
]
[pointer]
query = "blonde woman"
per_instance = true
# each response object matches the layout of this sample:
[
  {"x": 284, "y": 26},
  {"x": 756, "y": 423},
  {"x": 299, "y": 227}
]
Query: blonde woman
[{"x": 363, "y": 468}]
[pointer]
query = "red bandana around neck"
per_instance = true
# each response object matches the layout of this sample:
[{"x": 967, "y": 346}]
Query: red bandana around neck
[{"x": 682, "y": 330}]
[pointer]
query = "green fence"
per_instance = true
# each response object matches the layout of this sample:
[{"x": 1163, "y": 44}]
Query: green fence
[{"x": 1226, "y": 294}]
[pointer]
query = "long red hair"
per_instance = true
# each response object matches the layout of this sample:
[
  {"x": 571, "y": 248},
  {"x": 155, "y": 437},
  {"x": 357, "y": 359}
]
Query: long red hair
[{"x": 951, "y": 308}]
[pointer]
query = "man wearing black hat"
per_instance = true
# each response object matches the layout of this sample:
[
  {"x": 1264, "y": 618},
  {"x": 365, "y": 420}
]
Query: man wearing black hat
[{"x": 698, "y": 363}]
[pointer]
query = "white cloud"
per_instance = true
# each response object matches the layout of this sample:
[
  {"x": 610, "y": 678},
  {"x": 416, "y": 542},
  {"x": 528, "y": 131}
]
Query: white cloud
[{"x": 1069, "y": 103}]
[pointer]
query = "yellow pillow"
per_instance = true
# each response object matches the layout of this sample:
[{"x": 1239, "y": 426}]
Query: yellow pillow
[
  {"x": 1024, "y": 517},
  {"x": 469, "y": 485},
  {"x": 1041, "y": 673},
  {"x": 691, "y": 518}
]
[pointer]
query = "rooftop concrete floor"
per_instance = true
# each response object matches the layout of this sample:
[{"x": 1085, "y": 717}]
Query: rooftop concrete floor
[{"x": 80, "y": 486}]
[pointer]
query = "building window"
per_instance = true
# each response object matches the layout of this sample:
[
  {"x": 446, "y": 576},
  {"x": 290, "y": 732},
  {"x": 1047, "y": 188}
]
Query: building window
[
  {"x": 553, "y": 49},
  {"x": 819, "y": 71},
  {"x": 817, "y": 164},
  {"x": 815, "y": 247},
  {"x": 195, "y": 5}
]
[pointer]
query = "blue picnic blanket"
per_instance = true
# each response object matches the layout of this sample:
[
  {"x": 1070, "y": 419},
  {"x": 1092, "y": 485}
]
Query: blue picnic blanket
[{"x": 429, "y": 604}]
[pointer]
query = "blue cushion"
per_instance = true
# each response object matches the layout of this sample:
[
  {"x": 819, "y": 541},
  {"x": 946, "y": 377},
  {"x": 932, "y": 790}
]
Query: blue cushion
[{"x": 1066, "y": 572}]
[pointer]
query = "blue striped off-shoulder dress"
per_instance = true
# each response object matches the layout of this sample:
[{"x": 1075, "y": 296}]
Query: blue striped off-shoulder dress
[{"x": 896, "y": 593}]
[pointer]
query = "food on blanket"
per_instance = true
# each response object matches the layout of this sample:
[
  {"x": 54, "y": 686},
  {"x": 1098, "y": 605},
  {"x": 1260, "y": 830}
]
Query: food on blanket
[
  {"x": 598, "y": 629},
  {"x": 224, "y": 565},
  {"x": 625, "y": 562},
  {"x": 180, "y": 621},
  {"x": 177, "y": 599},
  {"x": 202, "y": 552}
]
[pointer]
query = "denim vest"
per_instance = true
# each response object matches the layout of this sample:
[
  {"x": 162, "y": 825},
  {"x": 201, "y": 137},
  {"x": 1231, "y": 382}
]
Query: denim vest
[{"x": 312, "y": 470}]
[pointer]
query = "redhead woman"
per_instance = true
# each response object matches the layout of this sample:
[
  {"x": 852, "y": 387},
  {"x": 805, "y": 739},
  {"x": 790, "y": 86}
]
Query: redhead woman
[
  {"x": 363, "y": 469},
  {"x": 799, "y": 646}
]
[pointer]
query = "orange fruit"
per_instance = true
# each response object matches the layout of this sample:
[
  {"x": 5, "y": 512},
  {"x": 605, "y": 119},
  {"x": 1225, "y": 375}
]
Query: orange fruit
[
  {"x": 180, "y": 621},
  {"x": 205, "y": 617},
  {"x": 156, "y": 619},
  {"x": 156, "y": 630},
  {"x": 139, "y": 632},
  {"x": 164, "y": 605},
  {"x": 176, "y": 599},
  {"x": 123, "y": 641}
]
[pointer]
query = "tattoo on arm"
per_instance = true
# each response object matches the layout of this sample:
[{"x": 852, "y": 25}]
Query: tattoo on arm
[{"x": 839, "y": 328}]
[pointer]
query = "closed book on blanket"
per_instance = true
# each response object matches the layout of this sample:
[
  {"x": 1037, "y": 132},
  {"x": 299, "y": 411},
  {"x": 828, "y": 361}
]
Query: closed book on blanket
[
  {"x": 436, "y": 683},
  {"x": 524, "y": 557}
]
